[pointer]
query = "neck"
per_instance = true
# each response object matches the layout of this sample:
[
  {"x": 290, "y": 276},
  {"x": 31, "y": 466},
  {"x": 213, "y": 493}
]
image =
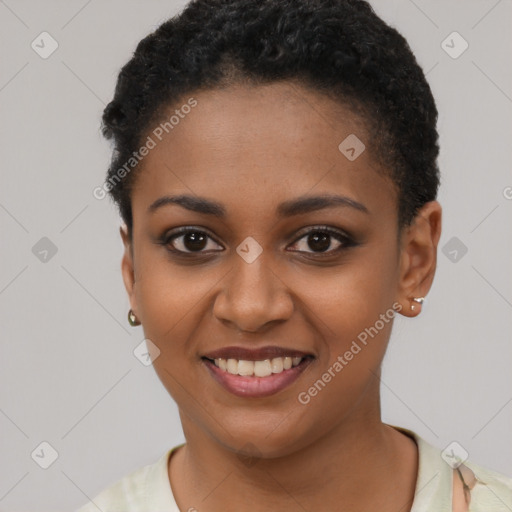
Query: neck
[{"x": 335, "y": 472}]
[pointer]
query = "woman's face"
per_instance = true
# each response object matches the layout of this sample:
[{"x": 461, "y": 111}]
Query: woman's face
[{"x": 257, "y": 270}]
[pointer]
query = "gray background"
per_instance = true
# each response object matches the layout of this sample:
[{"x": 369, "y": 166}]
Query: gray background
[{"x": 68, "y": 373}]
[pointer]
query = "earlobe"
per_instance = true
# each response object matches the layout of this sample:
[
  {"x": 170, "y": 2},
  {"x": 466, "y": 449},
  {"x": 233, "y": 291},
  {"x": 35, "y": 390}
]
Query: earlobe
[{"x": 418, "y": 259}]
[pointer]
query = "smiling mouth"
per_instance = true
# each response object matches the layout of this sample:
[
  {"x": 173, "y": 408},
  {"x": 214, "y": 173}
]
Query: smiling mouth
[
  {"x": 257, "y": 378},
  {"x": 262, "y": 368}
]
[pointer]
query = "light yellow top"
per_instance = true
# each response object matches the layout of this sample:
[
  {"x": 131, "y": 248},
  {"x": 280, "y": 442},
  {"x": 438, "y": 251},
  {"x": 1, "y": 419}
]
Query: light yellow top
[{"x": 476, "y": 489}]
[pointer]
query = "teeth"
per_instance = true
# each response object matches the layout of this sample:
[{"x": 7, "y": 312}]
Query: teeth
[
  {"x": 245, "y": 367},
  {"x": 232, "y": 366},
  {"x": 262, "y": 368},
  {"x": 257, "y": 368},
  {"x": 277, "y": 365}
]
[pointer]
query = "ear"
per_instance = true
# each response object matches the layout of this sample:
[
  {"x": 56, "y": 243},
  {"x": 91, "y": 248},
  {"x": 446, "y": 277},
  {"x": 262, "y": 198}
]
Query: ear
[
  {"x": 418, "y": 257},
  {"x": 127, "y": 268}
]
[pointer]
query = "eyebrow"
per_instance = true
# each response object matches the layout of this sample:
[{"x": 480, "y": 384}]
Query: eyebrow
[{"x": 301, "y": 205}]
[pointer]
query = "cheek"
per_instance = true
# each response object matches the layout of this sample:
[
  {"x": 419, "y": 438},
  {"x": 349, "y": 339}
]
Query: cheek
[
  {"x": 353, "y": 316},
  {"x": 345, "y": 299},
  {"x": 169, "y": 298},
  {"x": 351, "y": 309},
  {"x": 171, "y": 301}
]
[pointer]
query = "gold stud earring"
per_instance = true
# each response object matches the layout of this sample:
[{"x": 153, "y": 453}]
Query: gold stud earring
[
  {"x": 132, "y": 319},
  {"x": 419, "y": 300}
]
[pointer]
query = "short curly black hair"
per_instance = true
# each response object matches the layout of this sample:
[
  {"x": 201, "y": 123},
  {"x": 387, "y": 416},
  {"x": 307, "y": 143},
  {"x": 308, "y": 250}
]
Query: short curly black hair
[{"x": 340, "y": 48}]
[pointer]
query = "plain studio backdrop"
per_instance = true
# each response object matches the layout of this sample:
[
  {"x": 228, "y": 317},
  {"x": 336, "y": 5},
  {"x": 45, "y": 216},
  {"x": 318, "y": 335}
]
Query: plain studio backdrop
[{"x": 74, "y": 397}]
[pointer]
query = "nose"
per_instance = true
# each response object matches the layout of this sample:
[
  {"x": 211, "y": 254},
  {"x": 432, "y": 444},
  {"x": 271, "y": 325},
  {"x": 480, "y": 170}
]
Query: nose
[{"x": 253, "y": 296}]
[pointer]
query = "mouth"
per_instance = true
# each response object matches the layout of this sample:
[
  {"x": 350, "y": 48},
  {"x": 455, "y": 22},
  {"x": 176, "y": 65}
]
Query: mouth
[
  {"x": 254, "y": 375},
  {"x": 259, "y": 368}
]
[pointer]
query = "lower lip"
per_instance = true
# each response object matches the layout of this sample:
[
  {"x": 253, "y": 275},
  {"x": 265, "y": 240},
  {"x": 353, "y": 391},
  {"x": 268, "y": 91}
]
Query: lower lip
[{"x": 256, "y": 387}]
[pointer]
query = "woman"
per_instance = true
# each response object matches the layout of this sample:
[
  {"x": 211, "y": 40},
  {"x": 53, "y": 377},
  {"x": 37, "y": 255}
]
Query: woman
[{"x": 275, "y": 166}]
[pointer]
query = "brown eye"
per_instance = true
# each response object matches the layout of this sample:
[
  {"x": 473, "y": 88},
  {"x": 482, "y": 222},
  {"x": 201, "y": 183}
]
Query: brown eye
[
  {"x": 190, "y": 241},
  {"x": 319, "y": 241}
]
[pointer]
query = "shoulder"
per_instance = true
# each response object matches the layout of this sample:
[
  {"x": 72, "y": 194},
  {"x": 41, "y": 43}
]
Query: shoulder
[
  {"x": 124, "y": 494},
  {"x": 145, "y": 487},
  {"x": 487, "y": 490},
  {"x": 447, "y": 481}
]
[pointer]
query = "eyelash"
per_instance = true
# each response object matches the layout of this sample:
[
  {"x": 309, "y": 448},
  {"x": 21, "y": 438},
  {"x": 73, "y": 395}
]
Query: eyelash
[{"x": 341, "y": 237}]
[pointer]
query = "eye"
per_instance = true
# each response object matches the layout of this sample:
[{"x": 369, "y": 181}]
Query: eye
[
  {"x": 188, "y": 240},
  {"x": 193, "y": 240},
  {"x": 320, "y": 238}
]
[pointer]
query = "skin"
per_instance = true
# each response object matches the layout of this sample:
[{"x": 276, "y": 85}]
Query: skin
[{"x": 251, "y": 148}]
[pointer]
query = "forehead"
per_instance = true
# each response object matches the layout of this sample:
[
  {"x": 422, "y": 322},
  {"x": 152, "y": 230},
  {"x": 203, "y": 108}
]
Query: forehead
[{"x": 263, "y": 144}]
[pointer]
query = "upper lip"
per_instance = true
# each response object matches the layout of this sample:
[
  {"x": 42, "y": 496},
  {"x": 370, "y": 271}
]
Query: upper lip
[{"x": 254, "y": 354}]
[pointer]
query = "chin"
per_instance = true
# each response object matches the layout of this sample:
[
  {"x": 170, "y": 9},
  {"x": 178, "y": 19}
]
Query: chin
[{"x": 263, "y": 441}]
